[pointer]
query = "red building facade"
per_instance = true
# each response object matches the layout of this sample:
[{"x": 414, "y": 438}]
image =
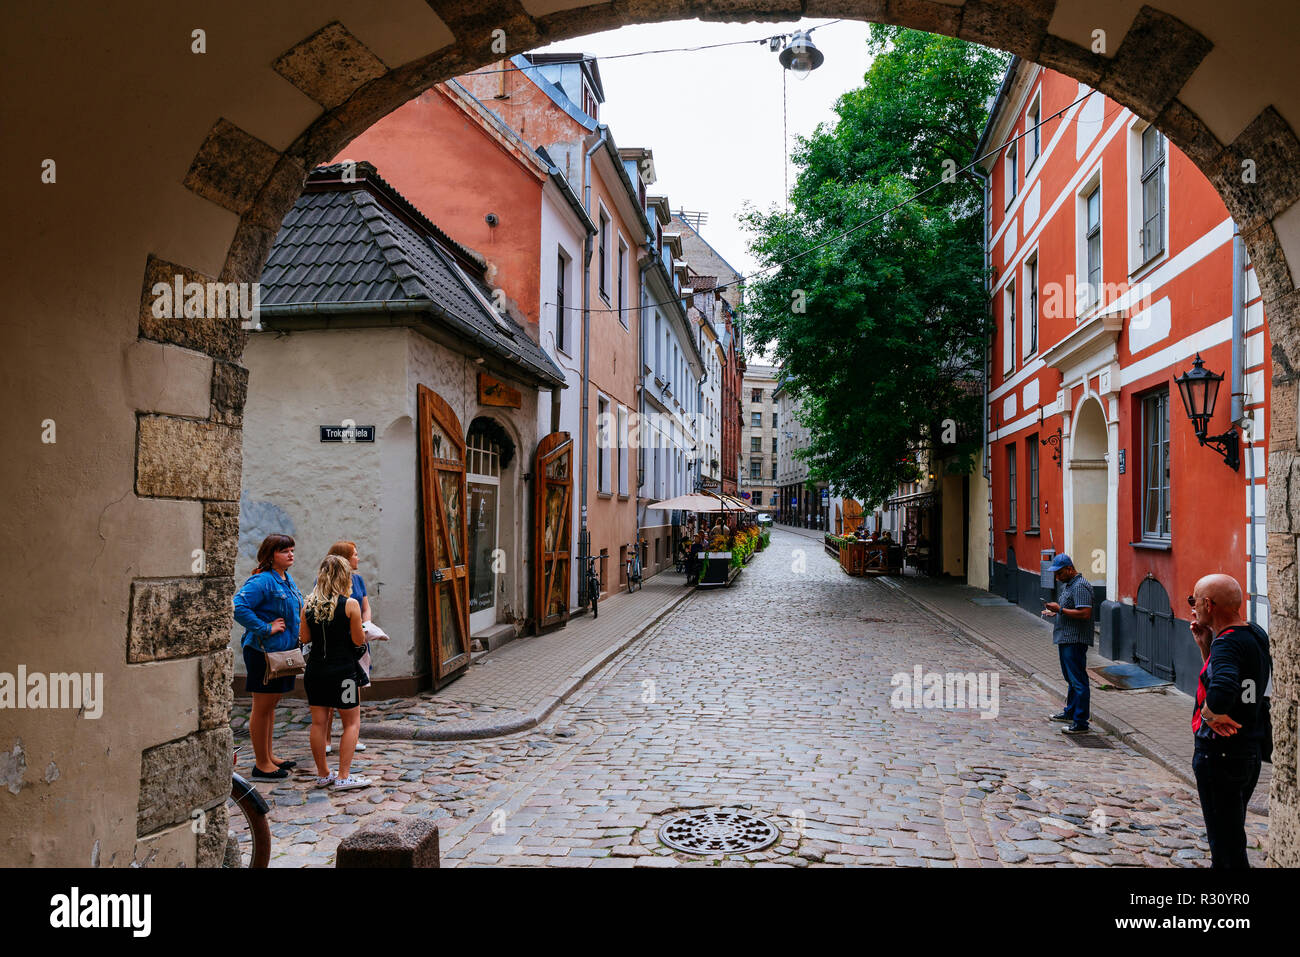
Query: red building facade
[
  {"x": 733, "y": 376},
  {"x": 1114, "y": 265}
]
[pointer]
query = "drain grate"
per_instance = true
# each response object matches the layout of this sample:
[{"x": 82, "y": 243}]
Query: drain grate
[
  {"x": 718, "y": 832},
  {"x": 1090, "y": 741}
]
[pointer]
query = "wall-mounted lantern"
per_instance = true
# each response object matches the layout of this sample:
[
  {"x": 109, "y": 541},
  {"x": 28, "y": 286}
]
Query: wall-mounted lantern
[{"x": 1200, "y": 388}]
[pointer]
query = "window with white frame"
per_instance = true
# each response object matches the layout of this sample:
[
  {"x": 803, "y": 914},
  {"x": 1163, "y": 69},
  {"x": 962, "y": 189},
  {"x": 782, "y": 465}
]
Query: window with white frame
[
  {"x": 603, "y": 255},
  {"x": 1089, "y": 264},
  {"x": 1009, "y": 328},
  {"x": 1152, "y": 190},
  {"x": 1029, "y": 335},
  {"x": 1033, "y": 139},
  {"x": 1031, "y": 455},
  {"x": 622, "y": 450},
  {"x": 1155, "y": 466},
  {"x": 1011, "y": 486},
  {"x": 561, "y": 317},
  {"x": 1012, "y": 170},
  {"x": 603, "y": 442}
]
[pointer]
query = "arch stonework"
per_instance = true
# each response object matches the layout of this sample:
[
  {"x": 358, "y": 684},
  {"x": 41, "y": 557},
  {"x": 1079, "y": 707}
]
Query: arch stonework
[{"x": 187, "y": 164}]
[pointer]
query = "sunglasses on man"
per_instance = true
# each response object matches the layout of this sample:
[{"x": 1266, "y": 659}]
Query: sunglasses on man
[{"x": 1191, "y": 601}]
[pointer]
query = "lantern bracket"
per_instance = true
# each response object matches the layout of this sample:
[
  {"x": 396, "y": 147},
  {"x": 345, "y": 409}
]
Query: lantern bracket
[{"x": 1228, "y": 445}]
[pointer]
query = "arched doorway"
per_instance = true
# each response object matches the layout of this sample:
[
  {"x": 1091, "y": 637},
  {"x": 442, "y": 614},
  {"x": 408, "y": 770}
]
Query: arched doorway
[
  {"x": 488, "y": 454},
  {"x": 1090, "y": 517},
  {"x": 224, "y": 158}
]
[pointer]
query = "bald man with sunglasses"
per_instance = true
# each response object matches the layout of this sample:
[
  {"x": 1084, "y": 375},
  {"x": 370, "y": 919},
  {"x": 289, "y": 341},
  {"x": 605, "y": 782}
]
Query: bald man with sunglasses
[{"x": 1231, "y": 720}]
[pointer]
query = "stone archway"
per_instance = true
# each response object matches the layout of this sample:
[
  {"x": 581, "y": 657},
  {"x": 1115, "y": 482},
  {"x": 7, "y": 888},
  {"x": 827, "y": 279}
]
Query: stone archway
[{"x": 173, "y": 161}]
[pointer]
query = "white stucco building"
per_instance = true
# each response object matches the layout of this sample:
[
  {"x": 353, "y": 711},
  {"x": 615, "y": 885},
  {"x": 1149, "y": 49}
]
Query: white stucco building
[{"x": 391, "y": 405}]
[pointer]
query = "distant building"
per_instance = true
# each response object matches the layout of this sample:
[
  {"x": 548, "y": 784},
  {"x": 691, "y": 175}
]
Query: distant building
[
  {"x": 671, "y": 369},
  {"x": 804, "y": 503},
  {"x": 759, "y": 442}
]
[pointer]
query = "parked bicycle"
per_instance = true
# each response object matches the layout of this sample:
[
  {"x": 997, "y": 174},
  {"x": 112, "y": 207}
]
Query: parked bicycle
[
  {"x": 248, "y": 843},
  {"x": 633, "y": 567},
  {"x": 593, "y": 582}
]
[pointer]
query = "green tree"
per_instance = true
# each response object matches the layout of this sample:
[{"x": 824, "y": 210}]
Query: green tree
[{"x": 880, "y": 334}]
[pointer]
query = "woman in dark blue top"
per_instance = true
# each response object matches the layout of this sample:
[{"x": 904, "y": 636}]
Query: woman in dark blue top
[{"x": 269, "y": 606}]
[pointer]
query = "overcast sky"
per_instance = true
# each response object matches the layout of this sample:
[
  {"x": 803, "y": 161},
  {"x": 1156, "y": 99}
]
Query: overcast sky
[{"x": 713, "y": 117}]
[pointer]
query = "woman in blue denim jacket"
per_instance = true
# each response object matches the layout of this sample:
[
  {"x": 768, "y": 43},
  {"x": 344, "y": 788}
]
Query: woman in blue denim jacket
[{"x": 269, "y": 606}]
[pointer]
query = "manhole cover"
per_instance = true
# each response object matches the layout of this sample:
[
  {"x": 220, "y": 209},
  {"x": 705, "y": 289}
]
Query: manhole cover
[{"x": 718, "y": 832}]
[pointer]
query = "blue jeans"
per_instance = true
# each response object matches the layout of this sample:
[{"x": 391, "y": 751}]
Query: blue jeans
[{"x": 1074, "y": 665}]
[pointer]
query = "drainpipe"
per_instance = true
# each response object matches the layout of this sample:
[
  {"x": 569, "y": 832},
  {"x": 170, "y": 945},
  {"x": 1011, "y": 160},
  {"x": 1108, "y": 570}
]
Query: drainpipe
[
  {"x": 584, "y": 541},
  {"x": 1239, "y": 410},
  {"x": 642, "y": 354},
  {"x": 988, "y": 348}
]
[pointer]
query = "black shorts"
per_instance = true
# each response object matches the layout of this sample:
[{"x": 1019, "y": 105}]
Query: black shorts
[
  {"x": 255, "y": 666},
  {"x": 333, "y": 686}
]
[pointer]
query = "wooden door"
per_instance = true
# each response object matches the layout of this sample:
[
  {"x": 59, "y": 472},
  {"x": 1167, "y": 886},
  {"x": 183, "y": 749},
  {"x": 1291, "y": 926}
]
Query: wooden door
[
  {"x": 442, "y": 486},
  {"x": 553, "y": 529}
]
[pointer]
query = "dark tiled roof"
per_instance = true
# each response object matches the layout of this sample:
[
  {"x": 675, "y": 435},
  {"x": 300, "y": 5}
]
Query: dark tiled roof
[
  {"x": 701, "y": 283},
  {"x": 362, "y": 243}
]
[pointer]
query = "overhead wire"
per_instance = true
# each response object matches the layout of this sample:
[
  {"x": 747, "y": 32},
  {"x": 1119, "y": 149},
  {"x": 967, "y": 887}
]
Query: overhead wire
[
  {"x": 696, "y": 49},
  {"x": 947, "y": 180}
]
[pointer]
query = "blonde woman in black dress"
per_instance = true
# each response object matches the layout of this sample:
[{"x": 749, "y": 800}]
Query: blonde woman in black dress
[{"x": 331, "y": 620}]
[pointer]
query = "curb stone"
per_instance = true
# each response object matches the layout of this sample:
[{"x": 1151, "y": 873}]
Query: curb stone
[{"x": 470, "y": 731}]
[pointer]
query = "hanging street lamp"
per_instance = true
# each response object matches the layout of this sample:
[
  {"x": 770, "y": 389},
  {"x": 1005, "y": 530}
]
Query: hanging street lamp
[
  {"x": 1200, "y": 388},
  {"x": 801, "y": 54}
]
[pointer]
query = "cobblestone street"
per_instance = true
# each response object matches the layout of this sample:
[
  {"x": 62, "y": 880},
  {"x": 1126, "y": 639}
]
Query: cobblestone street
[{"x": 773, "y": 695}]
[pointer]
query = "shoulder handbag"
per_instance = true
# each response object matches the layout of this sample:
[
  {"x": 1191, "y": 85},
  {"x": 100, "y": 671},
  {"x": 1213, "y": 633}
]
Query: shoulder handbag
[{"x": 283, "y": 664}]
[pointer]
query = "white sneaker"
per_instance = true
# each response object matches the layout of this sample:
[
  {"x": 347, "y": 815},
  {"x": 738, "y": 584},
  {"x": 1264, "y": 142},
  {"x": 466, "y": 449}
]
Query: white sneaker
[
  {"x": 326, "y": 782},
  {"x": 359, "y": 747},
  {"x": 350, "y": 782}
]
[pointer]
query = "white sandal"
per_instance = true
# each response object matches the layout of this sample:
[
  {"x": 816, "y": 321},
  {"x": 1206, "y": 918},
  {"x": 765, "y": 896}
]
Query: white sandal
[
  {"x": 360, "y": 747},
  {"x": 350, "y": 782}
]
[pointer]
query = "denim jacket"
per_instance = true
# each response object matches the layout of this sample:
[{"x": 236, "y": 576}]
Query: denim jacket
[{"x": 261, "y": 600}]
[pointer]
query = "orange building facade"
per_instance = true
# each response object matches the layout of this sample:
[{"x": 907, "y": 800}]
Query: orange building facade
[{"x": 446, "y": 150}]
